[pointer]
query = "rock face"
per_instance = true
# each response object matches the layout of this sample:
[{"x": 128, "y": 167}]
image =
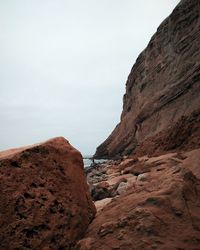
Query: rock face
[
  {"x": 44, "y": 198},
  {"x": 157, "y": 201},
  {"x": 159, "y": 210},
  {"x": 163, "y": 89}
]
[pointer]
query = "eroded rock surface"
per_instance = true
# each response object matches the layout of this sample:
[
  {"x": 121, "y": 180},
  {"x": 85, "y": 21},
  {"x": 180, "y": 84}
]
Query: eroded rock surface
[
  {"x": 161, "y": 103},
  {"x": 156, "y": 203},
  {"x": 44, "y": 198},
  {"x": 159, "y": 209}
]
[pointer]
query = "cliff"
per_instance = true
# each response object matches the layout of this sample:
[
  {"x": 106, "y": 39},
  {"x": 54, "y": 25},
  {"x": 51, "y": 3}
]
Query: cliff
[{"x": 162, "y": 91}]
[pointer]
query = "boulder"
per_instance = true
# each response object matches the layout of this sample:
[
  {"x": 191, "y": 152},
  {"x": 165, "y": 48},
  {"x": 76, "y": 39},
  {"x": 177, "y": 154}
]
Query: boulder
[
  {"x": 103, "y": 190},
  {"x": 122, "y": 187},
  {"x": 102, "y": 203},
  {"x": 118, "y": 179},
  {"x": 99, "y": 193},
  {"x": 44, "y": 198}
]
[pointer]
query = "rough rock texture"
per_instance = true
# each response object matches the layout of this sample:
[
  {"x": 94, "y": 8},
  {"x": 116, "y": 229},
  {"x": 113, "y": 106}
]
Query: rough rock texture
[
  {"x": 157, "y": 200},
  {"x": 163, "y": 89},
  {"x": 182, "y": 135},
  {"x": 44, "y": 198},
  {"x": 160, "y": 211}
]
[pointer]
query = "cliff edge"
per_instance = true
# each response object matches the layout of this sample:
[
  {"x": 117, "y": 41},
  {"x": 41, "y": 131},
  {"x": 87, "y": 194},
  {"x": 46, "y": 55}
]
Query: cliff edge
[{"x": 162, "y": 91}]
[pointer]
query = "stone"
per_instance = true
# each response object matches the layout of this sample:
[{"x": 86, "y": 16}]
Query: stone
[
  {"x": 102, "y": 203},
  {"x": 165, "y": 213},
  {"x": 85, "y": 244},
  {"x": 193, "y": 162},
  {"x": 103, "y": 184},
  {"x": 118, "y": 179},
  {"x": 159, "y": 205},
  {"x": 127, "y": 163},
  {"x": 44, "y": 199},
  {"x": 161, "y": 105},
  {"x": 106, "y": 228},
  {"x": 122, "y": 187},
  {"x": 99, "y": 193},
  {"x": 142, "y": 177}
]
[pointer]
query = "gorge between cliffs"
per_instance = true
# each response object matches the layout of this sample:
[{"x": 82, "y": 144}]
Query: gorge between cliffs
[{"x": 146, "y": 195}]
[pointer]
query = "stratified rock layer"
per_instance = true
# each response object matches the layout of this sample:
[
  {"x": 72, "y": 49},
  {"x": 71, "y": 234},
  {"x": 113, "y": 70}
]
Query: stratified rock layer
[
  {"x": 44, "y": 199},
  {"x": 163, "y": 87}
]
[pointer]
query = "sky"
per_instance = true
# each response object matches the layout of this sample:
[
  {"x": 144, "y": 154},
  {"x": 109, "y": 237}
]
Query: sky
[{"x": 64, "y": 65}]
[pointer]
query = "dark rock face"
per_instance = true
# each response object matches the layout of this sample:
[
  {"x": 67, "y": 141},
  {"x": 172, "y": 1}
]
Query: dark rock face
[
  {"x": 164, "y": 83},
  {"x": 44, "y": 198}
]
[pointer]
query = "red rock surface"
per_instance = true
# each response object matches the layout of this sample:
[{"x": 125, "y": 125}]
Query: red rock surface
[
  {"x": 182, "y": 135},
  {"x": 163, "y": 89},
  {"x": 160, "y": 211},
  {"x": 44, "y": 198},
  {"x": 157, "y": 200}
]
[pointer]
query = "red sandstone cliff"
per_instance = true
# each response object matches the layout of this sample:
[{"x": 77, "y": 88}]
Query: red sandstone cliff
[
  {"x": 162, "y": 95},
  {"x": 154, "y": 202}
]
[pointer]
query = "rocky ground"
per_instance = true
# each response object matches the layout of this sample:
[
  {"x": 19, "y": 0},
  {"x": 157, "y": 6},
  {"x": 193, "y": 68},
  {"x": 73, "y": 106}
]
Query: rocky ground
[{"x": 146, "y": 203}]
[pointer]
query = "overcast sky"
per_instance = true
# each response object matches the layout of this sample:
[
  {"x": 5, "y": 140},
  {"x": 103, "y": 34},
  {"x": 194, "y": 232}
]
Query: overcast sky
[{"x": 64, "y": 64}]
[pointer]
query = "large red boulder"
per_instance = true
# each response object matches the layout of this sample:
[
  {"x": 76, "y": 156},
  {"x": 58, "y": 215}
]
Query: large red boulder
[{"x": 44, "y": 198}]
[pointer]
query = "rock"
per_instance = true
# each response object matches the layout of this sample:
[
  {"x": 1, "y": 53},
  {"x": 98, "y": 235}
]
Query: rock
[
  {"x": 192, "y": 162},
  {"x": 160, "y": 118},
  {"x": 99, "y": 193},
  {"x": 161, "y": 105},
  {"x": 103, "y": 190},
  {"x": 160, "y": 159},
  {"x": 122, "y": 187},
  {"x": 85, "y": 244},
  {"x": 132, "y": 180},
  {"x": 102, "y": 203},
  {"x": 128, "y": 170},
  {"x": 127, "y": 163},
  {"x": 103, "y": 184},
  {"x": 95, "y": 177},
  {"x": 106, "y": 228},
  {"x": 164, "y": 213},
  {"x": 139, "y": 168},
  {"x": 44, "y": 199},
  {"x": 114, "y": 175},
  {"x": 118, "y": 179},
  {"x": 142, "y": 177},
  {"x": 113, "y": 170}
]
